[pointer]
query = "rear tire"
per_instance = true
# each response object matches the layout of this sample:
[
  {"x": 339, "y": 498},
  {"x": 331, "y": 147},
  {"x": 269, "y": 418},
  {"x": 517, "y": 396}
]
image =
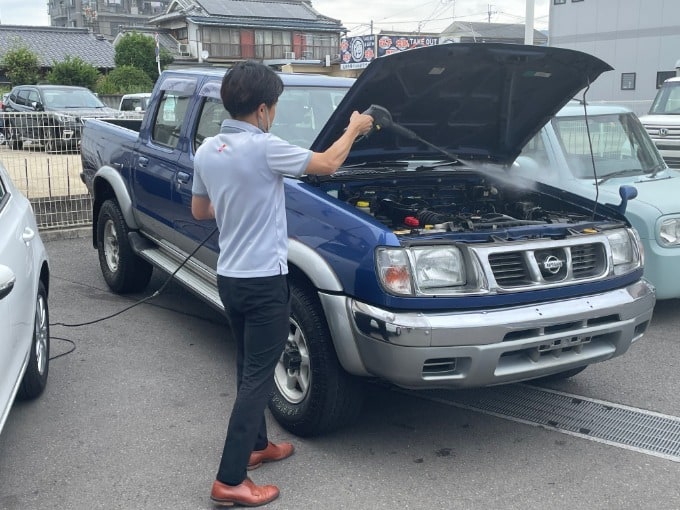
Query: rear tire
[
  {"x": 35, "y": 378},
  {"x": 313, "y": 394},
  {"x": 123, "y": 270}
]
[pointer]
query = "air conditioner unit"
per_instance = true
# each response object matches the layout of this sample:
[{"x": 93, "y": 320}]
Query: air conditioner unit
[
  {"x": 184, "y": 50},
  {"x": 307, "y": 55},
  {"x": 290, "y": 55}
]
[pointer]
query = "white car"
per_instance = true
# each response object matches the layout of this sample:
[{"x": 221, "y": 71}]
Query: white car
[{"x": 24, "y": 316}]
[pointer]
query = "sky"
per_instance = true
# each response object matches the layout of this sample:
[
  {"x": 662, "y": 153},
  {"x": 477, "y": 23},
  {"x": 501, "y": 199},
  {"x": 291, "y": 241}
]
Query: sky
[{"x": 392, "y": 15}]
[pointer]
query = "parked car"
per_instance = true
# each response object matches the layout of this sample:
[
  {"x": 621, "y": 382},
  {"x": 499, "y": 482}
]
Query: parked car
[
  {"x": 24, "y": 313},
  {"x": 419, "y": 262},
  {"x": 2, "y": 117},
  {"x": 622, "y": 154},
  {"x": 663, "y": 121},
  {"x": 50, "y": 115},
  {"x": 134, "y": 102}
]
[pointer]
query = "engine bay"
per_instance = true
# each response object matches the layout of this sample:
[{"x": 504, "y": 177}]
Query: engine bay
[{"x": 452, "y": 202}]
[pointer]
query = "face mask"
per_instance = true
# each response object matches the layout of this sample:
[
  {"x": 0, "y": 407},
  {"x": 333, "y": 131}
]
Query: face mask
[{"x": 269, "y": 124}]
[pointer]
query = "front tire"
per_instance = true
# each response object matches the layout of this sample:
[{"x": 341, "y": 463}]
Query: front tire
[
  {"x": 35, "y": 378},
  {"x": 313, "y": 394},
  {"x": 123, "y": 270}
]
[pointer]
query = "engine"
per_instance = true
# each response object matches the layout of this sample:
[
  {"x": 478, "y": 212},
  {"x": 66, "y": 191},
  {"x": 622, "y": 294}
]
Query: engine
[{"x": 433, "y": 205}]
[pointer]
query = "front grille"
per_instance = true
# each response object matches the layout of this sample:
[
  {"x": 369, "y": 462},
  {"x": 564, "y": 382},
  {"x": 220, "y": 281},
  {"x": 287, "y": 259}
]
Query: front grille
[
  {"x": 509, "y": 269},
  {"x": 672, "y": 162},
  {"x": 548, "y": 265},
  {"x": 587, "y": 260}
]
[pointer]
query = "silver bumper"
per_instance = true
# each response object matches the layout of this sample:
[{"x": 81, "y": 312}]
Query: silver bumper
[{"x": 481, "y": 348}]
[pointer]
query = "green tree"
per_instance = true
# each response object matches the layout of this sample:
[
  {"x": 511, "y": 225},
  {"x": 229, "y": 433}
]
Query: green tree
[
  {"x": 124, "y": 79},
  {"x": 21, "y": 66},
  {"x": 73, "y": 71},
  {"x": 139, "y": 50}
]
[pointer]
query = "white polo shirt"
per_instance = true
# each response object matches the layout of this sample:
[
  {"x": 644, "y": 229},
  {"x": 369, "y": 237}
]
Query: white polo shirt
[{"x": 241, "y": 171}]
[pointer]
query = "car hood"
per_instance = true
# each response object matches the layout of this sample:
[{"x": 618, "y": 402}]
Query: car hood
[
  {"x": 477, "y": 101},
  {"x": 671, "y": 119},
  {"x": 660, "y": 192}
]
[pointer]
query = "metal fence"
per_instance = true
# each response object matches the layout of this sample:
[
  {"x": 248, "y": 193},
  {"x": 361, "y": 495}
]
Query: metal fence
[{"x": 48, "y": 174}]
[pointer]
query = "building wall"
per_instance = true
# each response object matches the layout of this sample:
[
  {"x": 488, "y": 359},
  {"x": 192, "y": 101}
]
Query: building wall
[{"x": 633, "y": 36}]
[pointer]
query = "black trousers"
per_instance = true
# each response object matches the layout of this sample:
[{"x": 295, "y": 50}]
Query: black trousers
[{"x": 258, "y": 310}]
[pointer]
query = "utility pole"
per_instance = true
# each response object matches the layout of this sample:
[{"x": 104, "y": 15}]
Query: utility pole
[{"x": 529, "y": 23}]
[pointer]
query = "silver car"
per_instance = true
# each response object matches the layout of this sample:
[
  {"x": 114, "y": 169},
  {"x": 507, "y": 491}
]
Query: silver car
[{"x": 24, "y": 285}]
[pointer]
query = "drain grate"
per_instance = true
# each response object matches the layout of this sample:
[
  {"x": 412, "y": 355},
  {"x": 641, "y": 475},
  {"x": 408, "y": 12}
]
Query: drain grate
[{"x": 614, "y": 424}]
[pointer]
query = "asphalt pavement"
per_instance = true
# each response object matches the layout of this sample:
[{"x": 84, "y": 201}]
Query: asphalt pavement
[{"x": 134, "y": 418}]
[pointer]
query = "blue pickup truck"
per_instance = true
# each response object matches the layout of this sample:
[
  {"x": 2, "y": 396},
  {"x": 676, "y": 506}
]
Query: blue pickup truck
[{"x": 420, "y": 262}]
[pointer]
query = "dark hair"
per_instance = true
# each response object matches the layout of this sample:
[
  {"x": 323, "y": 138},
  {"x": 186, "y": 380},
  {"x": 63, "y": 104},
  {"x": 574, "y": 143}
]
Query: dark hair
[{"x": 247, "y": 85}]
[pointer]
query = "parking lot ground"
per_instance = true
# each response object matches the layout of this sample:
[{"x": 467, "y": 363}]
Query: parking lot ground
[{"x": 135, "y": 416}]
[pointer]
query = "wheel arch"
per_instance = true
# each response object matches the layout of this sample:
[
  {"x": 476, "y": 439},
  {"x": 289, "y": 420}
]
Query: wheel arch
[
  {"x": 108, "y": 183},
  {"x": 308, "y": 268}
]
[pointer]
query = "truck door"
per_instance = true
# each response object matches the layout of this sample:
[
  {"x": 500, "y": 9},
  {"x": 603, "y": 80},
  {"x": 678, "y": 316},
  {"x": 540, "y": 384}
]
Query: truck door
[
  {"x": 207, "y": 123},
  {"x": 155, "y": 163}
]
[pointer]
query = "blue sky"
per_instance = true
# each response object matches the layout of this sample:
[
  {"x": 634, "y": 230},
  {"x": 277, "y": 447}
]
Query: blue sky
[{"x": 397, "y": 15}]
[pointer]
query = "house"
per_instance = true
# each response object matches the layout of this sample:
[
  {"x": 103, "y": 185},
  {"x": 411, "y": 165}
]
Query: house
[
  {"x": 488, "y": 32},
  {"x": 105, "y": 17},
  {"x": 54, "y": 44},
  {"x": 641, "y": 43},
  {"x": 272, "y": 31}
]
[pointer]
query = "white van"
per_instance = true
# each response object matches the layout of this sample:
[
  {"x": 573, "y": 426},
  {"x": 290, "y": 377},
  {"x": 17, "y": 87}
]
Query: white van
[{"x": 134, "y": 102}]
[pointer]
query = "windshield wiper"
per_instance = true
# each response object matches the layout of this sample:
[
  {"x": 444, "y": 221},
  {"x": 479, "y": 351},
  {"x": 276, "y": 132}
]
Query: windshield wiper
[
  {"x": 656, "y": 169},
  {"x": 620, "y": 173}
]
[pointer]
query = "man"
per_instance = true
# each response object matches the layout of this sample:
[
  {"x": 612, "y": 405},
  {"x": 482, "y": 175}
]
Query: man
[{"x": 238, "y": 180}]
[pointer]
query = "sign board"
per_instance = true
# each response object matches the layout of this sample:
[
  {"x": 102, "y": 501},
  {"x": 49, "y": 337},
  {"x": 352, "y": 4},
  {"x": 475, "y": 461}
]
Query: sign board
[
  {"x": 388, "y": 44},
  {"x": 357, "y": 52}
]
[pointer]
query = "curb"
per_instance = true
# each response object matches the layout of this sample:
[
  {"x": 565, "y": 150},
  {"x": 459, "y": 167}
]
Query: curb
[{"x": 54, "y": 234}]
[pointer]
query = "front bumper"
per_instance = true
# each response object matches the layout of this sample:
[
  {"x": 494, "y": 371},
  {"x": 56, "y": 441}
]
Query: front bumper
[{"x": 482, "y": 348}]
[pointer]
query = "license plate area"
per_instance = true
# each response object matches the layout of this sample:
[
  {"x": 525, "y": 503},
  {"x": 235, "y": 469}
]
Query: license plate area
[{"x": 557, "y": 345}]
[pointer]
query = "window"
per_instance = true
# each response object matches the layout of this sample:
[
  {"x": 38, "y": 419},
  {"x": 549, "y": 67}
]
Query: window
[
  {"x": 221, "y": 42},
  {"x": 318, "y": 45},
  {"x": 272, "y": 43},
  {"x": 628, "y": 81},
  {"x": 559, "y": 2},
  {"x": 171, "y": 112},
  {"x": 574, "y": 1},
  {"x": 662, "y": 76},
  {"x": 210, "y": 120}
]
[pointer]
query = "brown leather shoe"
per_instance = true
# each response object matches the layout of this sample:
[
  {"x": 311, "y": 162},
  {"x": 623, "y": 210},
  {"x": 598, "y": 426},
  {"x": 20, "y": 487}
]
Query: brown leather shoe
[
  {"x": 245, "y": 494},
  {"x": 271, "y": 453}
]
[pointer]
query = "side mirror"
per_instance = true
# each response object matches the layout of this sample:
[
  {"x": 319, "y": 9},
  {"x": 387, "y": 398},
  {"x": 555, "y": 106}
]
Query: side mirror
[
  {"x": 626, "y": 193},
  {"x": 37, "y": 106}
]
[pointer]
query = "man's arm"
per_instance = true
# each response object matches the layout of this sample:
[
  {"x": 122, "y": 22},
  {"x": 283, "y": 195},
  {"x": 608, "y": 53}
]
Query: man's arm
[
  {"x": 201, "y": 208},
  {"x": 326, "y": 163}
]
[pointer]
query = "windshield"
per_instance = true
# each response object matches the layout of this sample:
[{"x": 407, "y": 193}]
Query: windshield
[
  {"x": 71, "y": 98},
  {"x": 302, "y": 111},
  {"x": 667, "y": 100},
  {"x": 619, "y": 144}
]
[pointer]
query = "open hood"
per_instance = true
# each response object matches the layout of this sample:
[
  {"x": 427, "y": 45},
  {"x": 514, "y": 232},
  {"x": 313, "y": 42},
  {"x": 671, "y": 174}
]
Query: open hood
[{"x": 476, "y": 100}]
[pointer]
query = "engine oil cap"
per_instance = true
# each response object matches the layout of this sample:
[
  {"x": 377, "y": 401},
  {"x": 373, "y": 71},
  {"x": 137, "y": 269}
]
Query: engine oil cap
[{"x": 411, "y": 221}]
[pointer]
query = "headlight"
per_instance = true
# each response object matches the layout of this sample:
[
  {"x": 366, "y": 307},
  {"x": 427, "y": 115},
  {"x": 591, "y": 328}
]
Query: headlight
[
  {"x": 625, "y": 249},
  {"x": 437, "y": 268},
  {"x": 63, "y": 118},
  {"x": 669, "y": 232},
  {"x": 428, "y": 270}
]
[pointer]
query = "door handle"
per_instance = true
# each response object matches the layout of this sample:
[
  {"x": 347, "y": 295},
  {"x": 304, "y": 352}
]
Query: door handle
[
  {"x": 28, "y": 235},
  {"x": 142, "y": 161},
  {"x": 183, "y": 177}
]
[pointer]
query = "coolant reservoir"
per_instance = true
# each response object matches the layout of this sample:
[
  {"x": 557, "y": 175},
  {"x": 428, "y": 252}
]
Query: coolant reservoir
[{"x": 364, "y": 206}]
